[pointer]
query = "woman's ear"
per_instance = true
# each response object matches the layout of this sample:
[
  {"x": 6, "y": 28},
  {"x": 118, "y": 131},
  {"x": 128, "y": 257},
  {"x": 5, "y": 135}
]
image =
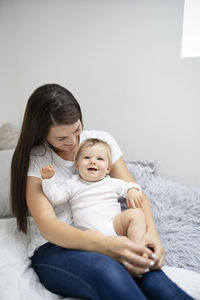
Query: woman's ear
[{"x": 76, "y": 165}]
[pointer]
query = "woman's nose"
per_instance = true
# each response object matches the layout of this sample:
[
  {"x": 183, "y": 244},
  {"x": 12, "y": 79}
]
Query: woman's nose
[{"x": 71, "y": 140}]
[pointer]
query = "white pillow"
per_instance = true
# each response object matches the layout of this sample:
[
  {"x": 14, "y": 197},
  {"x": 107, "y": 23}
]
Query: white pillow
[
  {"x": 8, "y": 136},
  {"x": 5, "y": 163}
]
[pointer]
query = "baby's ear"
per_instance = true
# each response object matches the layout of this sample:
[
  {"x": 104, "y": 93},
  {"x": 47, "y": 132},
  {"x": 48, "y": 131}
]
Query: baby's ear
[{"x": 108, "y": 170}]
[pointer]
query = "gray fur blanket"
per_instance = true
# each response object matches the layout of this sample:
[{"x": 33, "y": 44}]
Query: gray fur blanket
[{"x": 176, "y": 211}]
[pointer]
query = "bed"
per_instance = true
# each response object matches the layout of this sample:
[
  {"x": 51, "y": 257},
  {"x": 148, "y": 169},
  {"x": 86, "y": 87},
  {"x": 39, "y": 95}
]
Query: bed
[{"x": 176, "y": 213}]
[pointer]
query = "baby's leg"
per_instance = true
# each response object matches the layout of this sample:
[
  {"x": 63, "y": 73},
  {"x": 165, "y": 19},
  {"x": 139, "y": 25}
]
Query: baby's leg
[{"x": 131, "y": 223}]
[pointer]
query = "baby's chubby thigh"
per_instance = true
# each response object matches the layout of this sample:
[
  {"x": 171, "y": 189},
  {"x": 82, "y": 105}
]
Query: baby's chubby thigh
[{"x": 127, "y": 218}]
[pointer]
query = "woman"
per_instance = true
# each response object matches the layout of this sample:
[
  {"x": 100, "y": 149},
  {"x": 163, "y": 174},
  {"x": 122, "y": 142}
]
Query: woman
[{"x": 68, "y": 261}]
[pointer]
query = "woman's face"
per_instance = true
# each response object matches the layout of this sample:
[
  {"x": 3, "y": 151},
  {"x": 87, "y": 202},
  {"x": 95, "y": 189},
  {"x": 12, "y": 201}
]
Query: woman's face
[{"x": 65, "y": 137}]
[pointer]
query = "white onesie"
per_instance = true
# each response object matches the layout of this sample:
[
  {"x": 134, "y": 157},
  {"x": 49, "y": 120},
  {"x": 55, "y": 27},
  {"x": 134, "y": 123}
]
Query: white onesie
[{"x": 93, "y": 204}]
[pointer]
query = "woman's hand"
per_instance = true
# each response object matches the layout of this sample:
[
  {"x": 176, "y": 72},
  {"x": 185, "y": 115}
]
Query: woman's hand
[
  {"x": 136, "y": 259},
  {"x": 152, "y": 241}
]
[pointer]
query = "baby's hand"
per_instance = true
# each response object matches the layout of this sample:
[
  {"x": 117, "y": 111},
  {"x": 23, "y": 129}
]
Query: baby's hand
[
  {"x": 47, "y": 172},
  {"x": 134, "y": 198}
]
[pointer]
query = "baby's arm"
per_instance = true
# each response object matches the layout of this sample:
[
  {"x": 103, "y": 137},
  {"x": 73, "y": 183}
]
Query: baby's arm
[
  {"x": 55, "y": 194},
  {"x": 130, "y": 190}
]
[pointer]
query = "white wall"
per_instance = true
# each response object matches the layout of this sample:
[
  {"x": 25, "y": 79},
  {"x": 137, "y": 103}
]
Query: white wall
[
  {"x": 9, "y": 109},
  {"x": 121, "y": 59}
]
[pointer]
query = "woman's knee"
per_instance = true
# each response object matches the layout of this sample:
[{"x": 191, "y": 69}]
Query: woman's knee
[
  {"x": 115, "y": 280},
  {"x": 104, "y": 263},
  {"x": 108, "y": 270}
]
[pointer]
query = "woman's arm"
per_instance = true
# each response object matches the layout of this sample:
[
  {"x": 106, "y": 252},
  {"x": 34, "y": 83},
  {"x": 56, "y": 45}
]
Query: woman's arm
[
  {"x": 120, "y": 170},
  {"x": 64, "y": 235}
]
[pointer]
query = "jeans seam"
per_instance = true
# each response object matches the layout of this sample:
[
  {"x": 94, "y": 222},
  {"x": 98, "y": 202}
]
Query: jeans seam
[
  {"x": 72, "y": 276},
  {"x": 174, "y": 296}
]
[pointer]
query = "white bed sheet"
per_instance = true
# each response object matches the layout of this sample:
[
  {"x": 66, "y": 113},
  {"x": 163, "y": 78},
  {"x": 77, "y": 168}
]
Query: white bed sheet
[{"x": 18, "y": 280}]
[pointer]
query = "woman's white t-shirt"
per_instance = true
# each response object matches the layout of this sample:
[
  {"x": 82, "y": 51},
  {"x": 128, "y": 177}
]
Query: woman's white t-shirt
[{"x": 44, "y": 155}]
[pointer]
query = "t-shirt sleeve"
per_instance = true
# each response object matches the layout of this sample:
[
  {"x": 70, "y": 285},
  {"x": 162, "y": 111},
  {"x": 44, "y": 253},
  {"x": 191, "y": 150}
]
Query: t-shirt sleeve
[{"x": 34, "y": 167}]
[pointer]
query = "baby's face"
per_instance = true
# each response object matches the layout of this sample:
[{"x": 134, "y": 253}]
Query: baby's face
[{"x": 93, "y": 164}]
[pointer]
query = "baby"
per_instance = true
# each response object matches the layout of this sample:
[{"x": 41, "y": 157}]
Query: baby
[{"x": 93, "y": 194}]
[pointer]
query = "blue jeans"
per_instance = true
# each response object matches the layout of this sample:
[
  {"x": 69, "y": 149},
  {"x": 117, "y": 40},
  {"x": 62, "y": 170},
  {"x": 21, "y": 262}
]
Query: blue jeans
[{"x": 89, "y": 275}]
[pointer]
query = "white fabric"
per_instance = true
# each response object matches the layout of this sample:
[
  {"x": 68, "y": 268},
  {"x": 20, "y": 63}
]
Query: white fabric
[
  {"x": 18, "y": 280},
  {"x": 44, "y": 155},
  {"x": 8, "y": 136},
  {"x": 188, "y": 280},
  {"x": 5, "y": 162},
  {"x": 93, "y": 204}
]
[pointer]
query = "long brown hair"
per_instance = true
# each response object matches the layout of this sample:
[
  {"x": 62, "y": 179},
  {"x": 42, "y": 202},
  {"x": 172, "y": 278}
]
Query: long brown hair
[{"x": 49, "y": 105}]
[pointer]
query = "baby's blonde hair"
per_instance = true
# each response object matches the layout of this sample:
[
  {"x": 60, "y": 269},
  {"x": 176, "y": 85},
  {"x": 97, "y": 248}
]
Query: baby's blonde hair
[{"x": 92, "y": 142}]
